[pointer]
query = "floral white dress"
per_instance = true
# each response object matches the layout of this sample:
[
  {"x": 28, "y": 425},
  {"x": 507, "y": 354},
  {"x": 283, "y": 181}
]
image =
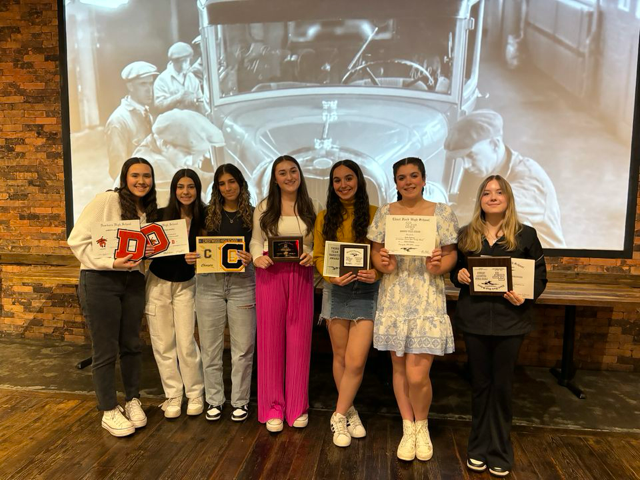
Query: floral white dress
[{"x": 412, "y": 310}]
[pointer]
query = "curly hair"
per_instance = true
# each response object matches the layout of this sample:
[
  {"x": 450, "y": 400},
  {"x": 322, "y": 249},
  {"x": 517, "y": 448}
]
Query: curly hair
[
  {"x": 409, "y": 161},
  {"x": 303, "y": 205},
  {"x": 173, "y": 210},
  {"x": 470, "y": 236},
  {"x": 131, "y": 204},
  {"x": 336, "y": 211},
  {"x": 214, "y": 210}
]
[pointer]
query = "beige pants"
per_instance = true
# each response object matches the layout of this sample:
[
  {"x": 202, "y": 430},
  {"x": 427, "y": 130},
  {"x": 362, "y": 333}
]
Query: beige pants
[{"x": 170, "y": 312}]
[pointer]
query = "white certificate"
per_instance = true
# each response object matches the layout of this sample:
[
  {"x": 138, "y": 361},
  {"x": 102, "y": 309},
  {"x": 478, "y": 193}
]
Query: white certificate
[
  {"x": 522, "y": 275},
  {"x": 168, "y": 238},
  {"x": 490, "y": 279},
  {"x": 332, "y": 259},
  {"x": 413, "y": 235},
  {"x": 105, "y": 238}
]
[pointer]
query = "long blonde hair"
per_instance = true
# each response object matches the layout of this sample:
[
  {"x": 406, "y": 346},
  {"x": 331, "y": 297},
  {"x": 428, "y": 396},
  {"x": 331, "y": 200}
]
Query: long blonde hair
[{"x": 470, "y": 238}]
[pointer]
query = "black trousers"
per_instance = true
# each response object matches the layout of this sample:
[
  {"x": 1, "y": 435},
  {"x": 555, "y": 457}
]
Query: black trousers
[
  {"x": 492, "y": 360},
  {"x": 113, "y": 304}
]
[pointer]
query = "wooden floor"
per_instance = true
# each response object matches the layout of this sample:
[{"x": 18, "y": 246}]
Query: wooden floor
[{"x": 58, "y": 436}]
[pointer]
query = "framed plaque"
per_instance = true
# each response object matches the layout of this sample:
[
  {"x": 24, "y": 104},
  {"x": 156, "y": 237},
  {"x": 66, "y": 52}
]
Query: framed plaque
[
  {"x": 353, "y": 257},
  {"x": 219, "y": 254},
  {"x": 490, "y": 275},
  {"x": 285, "y": 249}
]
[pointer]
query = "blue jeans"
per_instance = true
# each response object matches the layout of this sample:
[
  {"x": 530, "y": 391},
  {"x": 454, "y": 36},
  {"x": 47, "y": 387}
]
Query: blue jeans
[{"x": 222, "y": 297}]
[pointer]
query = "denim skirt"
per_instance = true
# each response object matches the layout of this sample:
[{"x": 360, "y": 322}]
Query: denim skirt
[{"x": 355, "y": 301}]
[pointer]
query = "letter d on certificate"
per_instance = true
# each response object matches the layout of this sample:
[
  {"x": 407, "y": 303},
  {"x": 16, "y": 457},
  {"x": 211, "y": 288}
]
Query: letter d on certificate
[{"x": 413, "y": 235}]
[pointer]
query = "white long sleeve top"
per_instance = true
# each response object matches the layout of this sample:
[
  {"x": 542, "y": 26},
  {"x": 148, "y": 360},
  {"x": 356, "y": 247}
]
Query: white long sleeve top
[
  {"x": 104, "y": 208},
  {"x": 289, "y": 225}
]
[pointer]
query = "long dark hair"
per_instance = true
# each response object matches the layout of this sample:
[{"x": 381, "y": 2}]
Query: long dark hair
[
  {"x": 303, "y": 205},
  {"x": 214, "y": 210},
  {"x": 129, "y": 202},
  {"x": 409, "y": 161},
  {"x": 336, "y": 211},
  {"x": 173, "y": 210}
]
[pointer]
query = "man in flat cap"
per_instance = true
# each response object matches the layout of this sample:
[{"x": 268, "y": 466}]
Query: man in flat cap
[
  {"x": 130, "y": 123},
  {"x": 177, "y": 87},
  {"x": 181, "y": 139},
  {"x": 477, "y": 140}
]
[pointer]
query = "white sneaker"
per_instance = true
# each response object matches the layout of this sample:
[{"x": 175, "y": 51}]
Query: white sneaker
[
  {"x": 354, "y": 424},
  {"x": 172, "y": 407},
  {"x": 302, "y": 421},
  {"x": 195, "y": 406},
  {"x": 274, "y": 425},
  {"x": 135, "y": 414},
  {"x": 424, "y": 447},
  {"x": 407, "y": 447},
  {"x": 117, "y": 424},
  {"x": 341, "y": 437}
]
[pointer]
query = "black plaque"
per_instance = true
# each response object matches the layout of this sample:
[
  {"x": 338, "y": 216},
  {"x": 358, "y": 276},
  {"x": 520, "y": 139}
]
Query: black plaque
[
  {"x": 285, "y": 249},
  {"x": 353, "y": 258}
]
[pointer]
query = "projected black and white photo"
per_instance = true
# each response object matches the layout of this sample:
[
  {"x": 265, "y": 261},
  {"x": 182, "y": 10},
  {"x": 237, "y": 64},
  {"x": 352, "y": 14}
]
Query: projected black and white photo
[{"x": 541, "y": 92}]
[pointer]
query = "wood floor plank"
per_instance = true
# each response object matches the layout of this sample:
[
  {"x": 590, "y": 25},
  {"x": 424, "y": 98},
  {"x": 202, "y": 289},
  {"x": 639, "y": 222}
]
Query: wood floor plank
[
  {"x": 378, "y": 454},
  {"x": 258, "y": 456},
  {"x": 524, "y": 468},
  {"x": 627, "y": 452},
  {"x": 587, "y": 459},
  {"x": 54, "y": 419},
  {"x": 538, "y": 451},
  {"x": 23, "y": 412},
  {"x": 305, "y": 459},
  {"x": 279, "y": 462},
  {"x": 73, "y": 454},
  {"x": 330, "y": 458},
  {"x": 215, "y": 441},
  {"x": 617, "y": 465},
  {"x": 449, "y": 463},
  {"x": 565, "y": 459},
  {"x": 230, "y": 460}
]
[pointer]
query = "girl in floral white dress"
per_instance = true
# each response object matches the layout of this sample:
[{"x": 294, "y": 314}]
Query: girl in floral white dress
[{"x": 411, "y": 319}]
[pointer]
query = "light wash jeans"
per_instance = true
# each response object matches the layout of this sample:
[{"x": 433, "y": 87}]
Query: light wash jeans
[{"x": 221, "y": 297}]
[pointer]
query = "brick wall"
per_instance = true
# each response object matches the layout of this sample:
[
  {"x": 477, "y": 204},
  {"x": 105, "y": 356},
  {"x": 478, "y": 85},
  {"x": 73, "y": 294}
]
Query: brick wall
[{"x": 39, "y": 301}]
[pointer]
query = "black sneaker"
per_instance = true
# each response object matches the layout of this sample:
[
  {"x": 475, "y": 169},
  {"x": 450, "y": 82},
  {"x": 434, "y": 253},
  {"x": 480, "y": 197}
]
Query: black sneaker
[
  {"x": 240, "y": 413},
  {"x": 214, "y": 412},
  {"x": 476, "y": 465},
  {"x": 498, "y": 472}
]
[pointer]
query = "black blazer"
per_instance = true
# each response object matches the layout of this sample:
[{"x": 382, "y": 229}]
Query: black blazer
[{"x": 495, "y": 315}]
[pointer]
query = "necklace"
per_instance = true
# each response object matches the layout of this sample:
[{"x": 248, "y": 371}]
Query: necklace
[{"x": 227, "y": 215}]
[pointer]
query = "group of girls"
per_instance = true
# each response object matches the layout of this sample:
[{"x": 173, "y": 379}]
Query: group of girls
[{"x": 398, "y": 304}]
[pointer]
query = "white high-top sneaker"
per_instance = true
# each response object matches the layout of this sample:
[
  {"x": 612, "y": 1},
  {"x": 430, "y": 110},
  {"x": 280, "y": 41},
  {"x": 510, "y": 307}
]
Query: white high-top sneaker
[
  {"x": 407, "y": 447},
  {"x": 424, "y": 447},
  {"x": 114, "y": 422}
]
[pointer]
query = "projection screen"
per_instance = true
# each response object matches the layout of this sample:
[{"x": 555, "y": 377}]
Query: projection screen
[{"x": 547, "y": 89}]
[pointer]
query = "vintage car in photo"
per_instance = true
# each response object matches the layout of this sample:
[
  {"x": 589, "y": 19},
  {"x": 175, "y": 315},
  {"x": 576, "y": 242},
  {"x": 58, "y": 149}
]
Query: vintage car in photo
[{"x": 372, "y": 81}]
